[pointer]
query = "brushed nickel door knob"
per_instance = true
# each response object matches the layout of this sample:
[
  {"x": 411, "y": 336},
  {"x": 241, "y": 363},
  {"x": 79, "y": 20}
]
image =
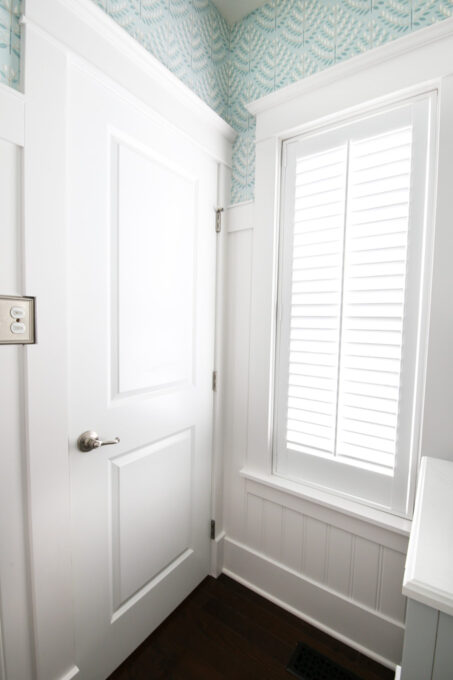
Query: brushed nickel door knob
[{"x": 89, "y": 440}]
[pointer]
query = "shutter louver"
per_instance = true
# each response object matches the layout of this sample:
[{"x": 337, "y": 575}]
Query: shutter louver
[
  {"x": 351, "y": 216},
  {"x": 374, "y": 283},
  {"x": 316, "y": 300}
]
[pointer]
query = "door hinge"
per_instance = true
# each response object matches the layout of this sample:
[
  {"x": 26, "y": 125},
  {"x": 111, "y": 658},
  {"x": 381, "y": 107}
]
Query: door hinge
[
  {"x": 212, "y": 529},
  {"x": 214, "y": 381},
  {"x": 218, "y": 220}
]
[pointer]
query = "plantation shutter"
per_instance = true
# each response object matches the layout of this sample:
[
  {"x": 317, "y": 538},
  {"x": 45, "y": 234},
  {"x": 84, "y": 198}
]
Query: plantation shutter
[
  {"x": 374, "y": 285},
  {"x": 317, "y": 264},
  {"x": 345, "y": 247}
]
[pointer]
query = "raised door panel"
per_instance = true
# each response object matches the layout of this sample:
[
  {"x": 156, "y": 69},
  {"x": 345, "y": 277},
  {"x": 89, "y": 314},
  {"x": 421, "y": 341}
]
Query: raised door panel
[
  {"x": 151, "y": 514},
  {"x": 155, "y": 203}
]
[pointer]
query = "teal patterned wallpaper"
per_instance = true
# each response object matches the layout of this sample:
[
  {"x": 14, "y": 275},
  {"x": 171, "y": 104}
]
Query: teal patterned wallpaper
[
  {"x": 228, "y": 66},
  {"x": 10, "y": 11},
  {"x": 286, "y": 40},
  {"x": 190, "y": 37}
]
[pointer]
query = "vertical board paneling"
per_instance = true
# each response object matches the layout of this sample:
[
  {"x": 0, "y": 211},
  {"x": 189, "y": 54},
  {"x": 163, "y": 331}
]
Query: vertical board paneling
[
  {"x": 272, "y": 530},
  {"x": 15, "y": 626},
  {"x": 236, "y": 343},
  {"x": 362, "y": 570},
  {"x": 254, "y": 522},
  {"x": 443, "y": 659},
  {"x": 339, "y": 560},
  {"x": 365, "y": 575},
  {"x": 328, "y": 549},
  {"x": 2, "y": 658},
  {"x": 392, "y": 603},
  {"x": 292, "y": 539},
  {"x": 314, "y": 549}
]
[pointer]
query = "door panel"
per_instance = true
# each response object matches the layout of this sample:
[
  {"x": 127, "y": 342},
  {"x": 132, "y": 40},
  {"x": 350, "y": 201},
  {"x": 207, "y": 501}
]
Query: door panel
[
  {"x": 155, "y": 269},
  {"x": 141, "y": 289},
  {"x": 145, "y": 516}
]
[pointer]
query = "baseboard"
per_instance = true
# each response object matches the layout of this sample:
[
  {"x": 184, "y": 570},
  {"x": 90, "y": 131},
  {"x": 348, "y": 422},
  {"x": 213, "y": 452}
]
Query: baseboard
[
  {"x": 398, "y": 673},
  {"x": 370, "y": 632},
  {"x": 217, "y": 552}
]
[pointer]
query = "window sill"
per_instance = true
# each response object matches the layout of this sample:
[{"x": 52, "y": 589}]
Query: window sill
[{"x": 346, "y": 506}]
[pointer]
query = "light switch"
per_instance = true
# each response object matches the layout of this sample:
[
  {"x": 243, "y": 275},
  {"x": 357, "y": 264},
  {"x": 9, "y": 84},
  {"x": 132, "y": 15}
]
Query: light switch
[{"x": 17, "y": 320}]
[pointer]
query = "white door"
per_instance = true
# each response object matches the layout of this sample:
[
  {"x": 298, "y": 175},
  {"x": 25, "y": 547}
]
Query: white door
[{"x": 141, "y": 290}]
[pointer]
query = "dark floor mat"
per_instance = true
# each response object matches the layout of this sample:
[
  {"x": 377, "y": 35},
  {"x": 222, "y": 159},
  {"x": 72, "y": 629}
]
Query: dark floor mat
[{"x": 308, "y": 664}]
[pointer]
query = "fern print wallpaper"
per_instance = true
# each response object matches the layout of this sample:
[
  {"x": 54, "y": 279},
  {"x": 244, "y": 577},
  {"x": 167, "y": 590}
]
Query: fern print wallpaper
[
  {"x": 10, "y": 11},
  {"x": 286, "y": 40},
  {"x": 190, "y": 37},
  {"x": 228, "y": 66}
]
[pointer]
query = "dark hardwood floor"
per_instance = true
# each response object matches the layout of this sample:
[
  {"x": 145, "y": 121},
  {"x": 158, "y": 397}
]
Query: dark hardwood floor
[{"x": 224, "y": 631}]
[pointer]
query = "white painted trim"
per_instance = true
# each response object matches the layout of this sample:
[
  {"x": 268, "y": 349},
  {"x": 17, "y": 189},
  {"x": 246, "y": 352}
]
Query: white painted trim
[
  {"x": 72, "y": 673},
  {"x": 345, "y": 506},
  {"x": 398, "y": 673},
  {"x": 355, "y": 65},
  {"x": 12, "y": 120},
  {"x": 2, "y": 655},
  {"x": 370, "y": 84},
  {"x": 406, "y": 73},
  {"x": 428, "y": 576},
  {"x": 217, "y": 484},
  {"x": 87, "y": 31},
  {"x": 240, "y": 216},
  {"x": 217, "y": 554},
  {"x": 335, "y": 614},
  {"x": 46, "y": 377}
]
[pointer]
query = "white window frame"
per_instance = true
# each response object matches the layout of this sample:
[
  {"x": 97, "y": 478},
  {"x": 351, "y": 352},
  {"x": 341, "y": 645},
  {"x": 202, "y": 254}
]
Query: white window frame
[
  {"x": 378, "y": 490},
  {"x": 409, "y": 67}
]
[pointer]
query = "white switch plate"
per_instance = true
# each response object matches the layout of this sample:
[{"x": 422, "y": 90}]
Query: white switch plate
[{"x": 11, "y": 326}]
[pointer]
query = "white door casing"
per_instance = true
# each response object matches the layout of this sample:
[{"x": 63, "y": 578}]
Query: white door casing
[
  {"x": 140, "y": 127},
  {"x": 15, "y": 625},
  {"x": 142, "y": 204}
]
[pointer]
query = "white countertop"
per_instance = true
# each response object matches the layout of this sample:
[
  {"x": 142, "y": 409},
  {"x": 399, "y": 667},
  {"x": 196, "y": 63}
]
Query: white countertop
[{"x": 428, "y": 577}]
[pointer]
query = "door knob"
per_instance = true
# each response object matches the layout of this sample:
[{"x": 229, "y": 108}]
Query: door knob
[{"x": 89, "y": 440}]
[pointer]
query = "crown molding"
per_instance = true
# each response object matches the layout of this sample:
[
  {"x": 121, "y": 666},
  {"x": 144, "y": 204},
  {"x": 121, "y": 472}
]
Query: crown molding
[{"x": 443, "y": 30}]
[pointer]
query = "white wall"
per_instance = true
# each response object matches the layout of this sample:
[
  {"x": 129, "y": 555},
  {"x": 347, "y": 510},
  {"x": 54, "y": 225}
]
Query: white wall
[
  {"x": 15, "y": 620},
  {"x": 339, "y": 572}
]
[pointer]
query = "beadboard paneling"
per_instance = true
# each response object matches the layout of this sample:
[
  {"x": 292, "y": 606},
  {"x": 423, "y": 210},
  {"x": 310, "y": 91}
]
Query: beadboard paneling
[
  {"x": 368, "y": 631},
  {"x": 356, "y": 568},
  {"x": 338, "y": 571}
]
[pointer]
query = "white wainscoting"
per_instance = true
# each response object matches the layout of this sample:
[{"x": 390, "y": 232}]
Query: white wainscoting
[
  {"x": 15, "y": 616},
  {"x": 339, "y": 572}
]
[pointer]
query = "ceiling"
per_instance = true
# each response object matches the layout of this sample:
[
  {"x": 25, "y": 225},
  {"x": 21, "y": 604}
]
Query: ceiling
[{"x": 233, "y": 10}]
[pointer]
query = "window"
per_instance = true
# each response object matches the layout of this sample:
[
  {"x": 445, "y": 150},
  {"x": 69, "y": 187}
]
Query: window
[{"x": 354, "y": 206}]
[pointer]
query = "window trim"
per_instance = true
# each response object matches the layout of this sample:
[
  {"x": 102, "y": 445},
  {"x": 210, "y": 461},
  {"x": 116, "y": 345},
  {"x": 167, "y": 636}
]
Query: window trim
[
  {"x": 407, "y": 73},
  {"x": 423, "y": 109}
]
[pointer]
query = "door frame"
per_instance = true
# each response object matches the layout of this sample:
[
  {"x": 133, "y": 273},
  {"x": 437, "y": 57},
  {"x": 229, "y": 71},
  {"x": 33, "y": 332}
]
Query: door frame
[{"x": 54, "y": 31}]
